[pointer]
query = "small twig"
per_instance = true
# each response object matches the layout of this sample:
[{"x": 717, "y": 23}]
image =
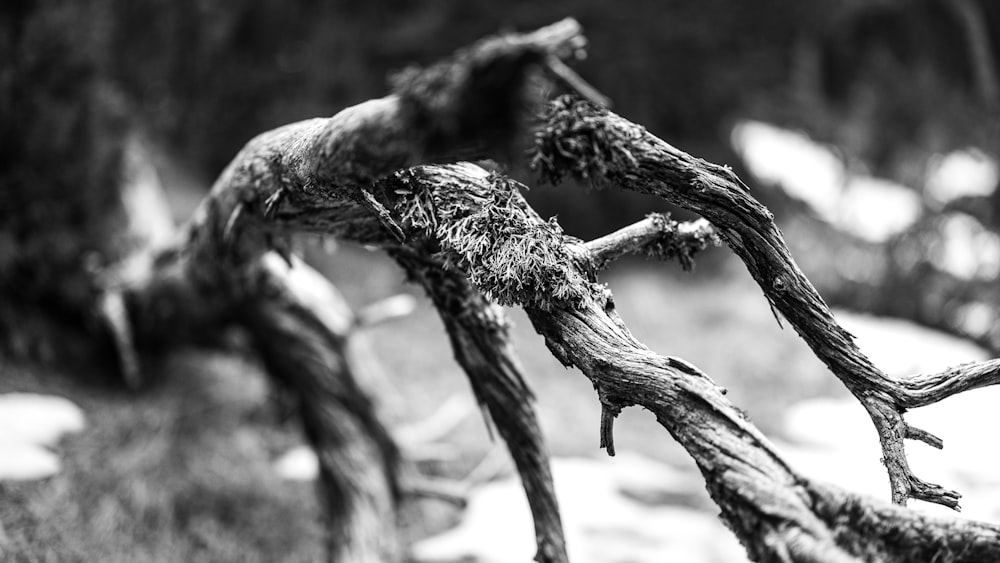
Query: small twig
[
  {"x": 656, "y": 235},
  {"x": 563, "y": 38},
  {"x": 488, "y": 468},
  {"x": 608, "y": 413},
  {"x": 914, "y": 433},
  {"x": 385, "y": 310},
  {"x": 444, "y": 420},
  {"x": 229, "y": 230},
  {"x": 927, "y": 389},
  {"x": 383, "y": 215},
  {"x": 575, "y": 82},
  {"x": 437, "y": 452},
  {"x": 272, "y": 202},
  {"x": 114, "y": 313},
  {"x": 452, "y": 492}
]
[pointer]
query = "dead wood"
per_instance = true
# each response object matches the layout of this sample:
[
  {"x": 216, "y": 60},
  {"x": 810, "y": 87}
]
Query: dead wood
[
  {"x": 472, "y": 242},
  {"x": 593, "y": 143}
]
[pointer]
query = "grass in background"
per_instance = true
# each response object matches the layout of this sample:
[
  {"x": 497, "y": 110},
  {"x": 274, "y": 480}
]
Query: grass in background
[{"x": 182, "y": 471}]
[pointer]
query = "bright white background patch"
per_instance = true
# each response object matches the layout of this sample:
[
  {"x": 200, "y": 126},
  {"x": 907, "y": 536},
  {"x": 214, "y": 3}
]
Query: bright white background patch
[
  {"x": 29, "y": 424},
  {"x": 298, "y": 464},
  {"x": 968, "y": 249},
  {"x": 871, "y": 208},
  {"x": 834, "y": 440},
  {"x": 602, "y": 525},
  {"x": 969, "y": 172},
  {"x": 803, "y": 168}
]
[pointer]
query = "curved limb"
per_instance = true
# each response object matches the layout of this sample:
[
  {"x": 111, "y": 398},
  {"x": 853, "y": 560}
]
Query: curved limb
[
  {"x": 478, "y": 333},
  {"x": 300, "y": 327},
  {"x": 778, "y": 514},
  {"x": 590, "y": 142}
]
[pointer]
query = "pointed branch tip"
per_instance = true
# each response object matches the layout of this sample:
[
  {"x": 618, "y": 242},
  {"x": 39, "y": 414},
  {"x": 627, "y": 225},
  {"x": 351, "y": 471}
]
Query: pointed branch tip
[{"x": 608, "y": 413}]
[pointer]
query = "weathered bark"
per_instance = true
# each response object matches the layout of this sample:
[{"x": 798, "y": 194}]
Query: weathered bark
[
  {"x": 478, "y": 333},
  {"x": 778, "y": 514},
  {"x": 592, "y": 143}
]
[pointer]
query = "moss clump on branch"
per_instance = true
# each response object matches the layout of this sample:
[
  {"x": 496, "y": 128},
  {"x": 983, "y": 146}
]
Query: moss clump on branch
[
  {"x": 578, "y": 140},
  {"x": 680, "y": 241},
  {"x": 508, "y": 252}
]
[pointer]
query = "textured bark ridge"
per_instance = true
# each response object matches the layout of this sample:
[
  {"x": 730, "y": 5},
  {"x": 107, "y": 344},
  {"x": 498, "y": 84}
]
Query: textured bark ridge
[{"x": 377, "y": 173}]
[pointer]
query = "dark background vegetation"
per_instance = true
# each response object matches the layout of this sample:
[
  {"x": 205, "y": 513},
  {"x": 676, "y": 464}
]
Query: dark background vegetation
[{"x": 892, "y": 81}]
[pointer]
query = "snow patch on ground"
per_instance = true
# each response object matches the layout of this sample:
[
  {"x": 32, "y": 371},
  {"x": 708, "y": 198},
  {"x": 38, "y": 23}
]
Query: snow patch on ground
[
  {"x": 868, "y": 207},
  {"x": 29, "y": 424},
  {"x": 803, "y": 168},
  {"x": 875, "y": 209},
  {"x": 833, "y": 439},
  {"x": 298, "y": 464},
  {"x": 612, "y": 511},
  {"x": 967, "y": 172},
  {"x": 602, "y": 524},
  {"x": 900, "y": 348}
]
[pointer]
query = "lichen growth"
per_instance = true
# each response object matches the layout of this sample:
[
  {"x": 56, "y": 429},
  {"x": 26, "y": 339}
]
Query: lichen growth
[
  {"x": 492, "y": 235},
  {"x": 578, "y": 140}
]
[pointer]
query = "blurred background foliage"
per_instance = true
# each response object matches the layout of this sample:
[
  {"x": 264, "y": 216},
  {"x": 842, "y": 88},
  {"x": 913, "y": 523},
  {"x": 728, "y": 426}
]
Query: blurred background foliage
[{"x": 889, "y": 81}]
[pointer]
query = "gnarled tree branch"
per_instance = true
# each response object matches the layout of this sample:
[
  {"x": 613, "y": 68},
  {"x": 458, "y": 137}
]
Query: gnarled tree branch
[
  {"x": 456, "y": 228},
  {"x": 778, "y": 514},
  {"x": 478, "y": 333},
  {"x": 593, "y": 143},
  {"x": 318, "y": 176}
]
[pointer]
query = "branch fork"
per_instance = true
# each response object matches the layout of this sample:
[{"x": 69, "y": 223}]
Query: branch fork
[{"x": 593, "y": 144}]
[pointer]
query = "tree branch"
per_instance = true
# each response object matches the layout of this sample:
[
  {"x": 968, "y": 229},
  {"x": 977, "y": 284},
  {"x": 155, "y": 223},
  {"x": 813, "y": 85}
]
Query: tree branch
[
  {"x": 656, "y": 236},
  {"x": 592, "y": 143},
  {"x": 478, "y": 333},
  {"x": 778, "y": 514},
  {"x": 301, "y": 327},
  {"x": 927, "y": 389},
  {"x": 472, "y": 105}
]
